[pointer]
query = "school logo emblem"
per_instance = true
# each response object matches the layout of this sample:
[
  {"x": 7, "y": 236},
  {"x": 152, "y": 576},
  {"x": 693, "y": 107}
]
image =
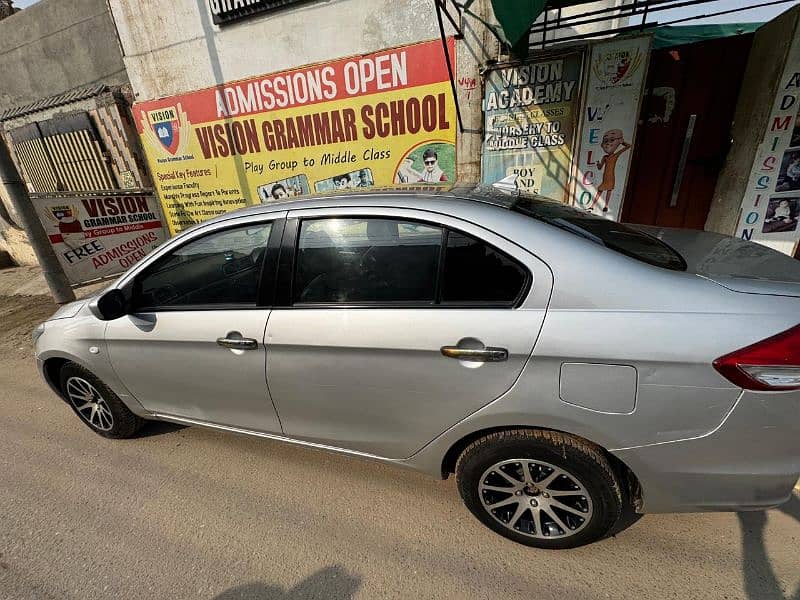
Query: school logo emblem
[
  {"x": 617, "y": 66},
  {"x": 67, "y": 219},
  {"x": 167, "y": 128}
]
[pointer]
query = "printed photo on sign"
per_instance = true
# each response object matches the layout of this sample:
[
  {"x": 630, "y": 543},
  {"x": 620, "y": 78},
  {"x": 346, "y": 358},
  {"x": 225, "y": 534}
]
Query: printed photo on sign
[
  {"x": 290, "y": 187},
  {"x": 362, "y": 178},
  {"x": 789, "y": 175},
  {"x": 782, "y": 215},
  {"x": 429, "y": 163}
]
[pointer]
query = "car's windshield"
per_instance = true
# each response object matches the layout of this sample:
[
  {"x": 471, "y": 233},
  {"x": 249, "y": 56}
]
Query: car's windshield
[{"x": 610, "y": 234}]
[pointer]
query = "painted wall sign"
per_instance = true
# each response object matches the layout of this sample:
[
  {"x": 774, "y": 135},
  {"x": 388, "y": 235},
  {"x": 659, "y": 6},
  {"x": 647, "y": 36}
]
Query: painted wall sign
[
  {"x": 771, "y": 208},
  {"x": 96, "y": 236},
  {"x": 382, "y": 119},
  {"x": 615, "y": 83},
  {"x": 226, "y": 11},
  {"x": 530, "y": 113}
]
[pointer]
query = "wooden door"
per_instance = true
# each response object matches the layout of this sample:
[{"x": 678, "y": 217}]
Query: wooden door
[{"x": 684, "y": 131}]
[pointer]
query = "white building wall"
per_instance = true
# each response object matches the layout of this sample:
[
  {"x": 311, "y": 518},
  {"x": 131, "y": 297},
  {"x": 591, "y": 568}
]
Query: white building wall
[
  {"x": 176, "y": 50},
  {"x": 171, "y": 48}
]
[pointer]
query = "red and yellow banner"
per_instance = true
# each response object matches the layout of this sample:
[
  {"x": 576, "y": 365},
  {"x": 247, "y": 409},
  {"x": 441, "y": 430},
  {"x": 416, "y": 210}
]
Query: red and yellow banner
[{"x": 384, "y": 119}]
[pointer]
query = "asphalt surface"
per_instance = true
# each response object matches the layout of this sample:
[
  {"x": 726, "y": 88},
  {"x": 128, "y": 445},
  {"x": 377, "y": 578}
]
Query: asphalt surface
[{"x": 193, "y": 513}]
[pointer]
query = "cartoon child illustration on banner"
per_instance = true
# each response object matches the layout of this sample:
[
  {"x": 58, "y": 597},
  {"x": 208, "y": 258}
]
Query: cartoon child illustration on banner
[
  {"x": 69, "y": 227},
  {"x": 614, "y": 145}
]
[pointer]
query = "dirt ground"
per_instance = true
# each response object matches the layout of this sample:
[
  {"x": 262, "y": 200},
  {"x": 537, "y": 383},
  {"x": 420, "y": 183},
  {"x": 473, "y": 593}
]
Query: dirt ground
[
  {"x": 18, "y": 316},
  {"x": 24, "y": 303}
]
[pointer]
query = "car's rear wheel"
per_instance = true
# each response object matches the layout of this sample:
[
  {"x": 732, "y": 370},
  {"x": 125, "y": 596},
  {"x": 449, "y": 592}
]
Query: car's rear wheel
[
  {"x": 540, "y": 488},
  {"x": 96, "y": 405}
]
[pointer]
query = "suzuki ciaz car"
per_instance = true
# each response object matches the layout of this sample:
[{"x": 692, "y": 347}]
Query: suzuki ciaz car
[{"x": 564, "y": 367}]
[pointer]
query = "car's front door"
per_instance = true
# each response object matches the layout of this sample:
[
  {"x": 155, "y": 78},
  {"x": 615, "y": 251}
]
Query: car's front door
[
  {"x": 396, "y": 324},
  {"x": 193, "y": 345}
]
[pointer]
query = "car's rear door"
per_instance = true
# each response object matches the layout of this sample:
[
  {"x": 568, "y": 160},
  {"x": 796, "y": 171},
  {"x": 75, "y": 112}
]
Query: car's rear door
[
  {"x": 393, "y": 324},
  {"x": 193, "y": 345}
]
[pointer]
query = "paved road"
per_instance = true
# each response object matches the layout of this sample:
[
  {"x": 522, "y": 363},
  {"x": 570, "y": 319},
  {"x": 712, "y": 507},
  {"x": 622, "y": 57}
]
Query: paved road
[{"x": 192, "y": 513}]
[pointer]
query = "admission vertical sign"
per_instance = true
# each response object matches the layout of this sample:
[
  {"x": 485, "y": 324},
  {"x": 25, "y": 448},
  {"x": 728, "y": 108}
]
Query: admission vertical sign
[
  {"x": 615, "y": 82},
  {"x": 771, "y": 208},
  {"x": 530, "y": 117}
]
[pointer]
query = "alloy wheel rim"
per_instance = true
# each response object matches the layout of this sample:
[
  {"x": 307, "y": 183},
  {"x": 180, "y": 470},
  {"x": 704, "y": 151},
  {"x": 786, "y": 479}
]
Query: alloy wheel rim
[
  {"x": 89, "y": 404},
  {"x": 535, "y": 498}
]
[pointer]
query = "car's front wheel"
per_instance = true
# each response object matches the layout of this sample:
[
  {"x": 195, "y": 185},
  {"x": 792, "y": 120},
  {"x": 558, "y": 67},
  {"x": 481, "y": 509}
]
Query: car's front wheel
[
  {"x": 540, "y": 488},
  {"x": 96, "y": 405}
]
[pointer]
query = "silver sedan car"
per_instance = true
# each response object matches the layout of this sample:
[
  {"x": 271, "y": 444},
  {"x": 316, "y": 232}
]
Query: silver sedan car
[{"x": 564, "y": 367}]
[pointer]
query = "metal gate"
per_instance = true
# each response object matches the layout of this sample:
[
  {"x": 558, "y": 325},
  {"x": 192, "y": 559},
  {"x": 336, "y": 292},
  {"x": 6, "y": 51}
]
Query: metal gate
[{"x": 62, "y": 155}]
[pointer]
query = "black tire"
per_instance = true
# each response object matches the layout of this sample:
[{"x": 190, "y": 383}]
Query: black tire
[
  {"x": 116, "y": 420},
  {"x": 583, "y": 461}
]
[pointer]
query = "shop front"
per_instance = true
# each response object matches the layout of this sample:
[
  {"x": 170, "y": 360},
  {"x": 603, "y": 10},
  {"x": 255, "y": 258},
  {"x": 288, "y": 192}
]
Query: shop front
[{"x": 673, "y": 126}]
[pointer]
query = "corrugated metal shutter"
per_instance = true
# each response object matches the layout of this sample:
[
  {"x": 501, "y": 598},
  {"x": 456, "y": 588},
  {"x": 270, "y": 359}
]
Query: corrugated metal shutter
[
  {"x": 62, "y": 155},
  {"x": 34, "y": 161}
]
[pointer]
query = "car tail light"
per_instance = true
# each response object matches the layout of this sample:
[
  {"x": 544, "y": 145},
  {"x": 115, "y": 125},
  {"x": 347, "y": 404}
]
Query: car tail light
[{"x": 771, "y": 364}]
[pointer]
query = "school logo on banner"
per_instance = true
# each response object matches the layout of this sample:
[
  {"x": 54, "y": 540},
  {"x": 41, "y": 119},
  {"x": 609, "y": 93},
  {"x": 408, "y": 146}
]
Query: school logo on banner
[
  {"x": 616, "y": 67},
  {"x": 167, "y": 128}
]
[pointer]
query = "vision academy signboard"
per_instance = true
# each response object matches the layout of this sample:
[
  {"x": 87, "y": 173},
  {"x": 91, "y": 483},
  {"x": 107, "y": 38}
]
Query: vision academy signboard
[{"x": 383, "y": 119}]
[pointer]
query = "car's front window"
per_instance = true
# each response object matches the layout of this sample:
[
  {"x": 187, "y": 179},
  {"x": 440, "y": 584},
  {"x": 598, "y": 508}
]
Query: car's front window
[{"x": 221, "y": 268}]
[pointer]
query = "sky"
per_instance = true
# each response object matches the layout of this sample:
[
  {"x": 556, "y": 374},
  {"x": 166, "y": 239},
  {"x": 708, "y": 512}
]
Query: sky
[{"x": 756, "y": 14}]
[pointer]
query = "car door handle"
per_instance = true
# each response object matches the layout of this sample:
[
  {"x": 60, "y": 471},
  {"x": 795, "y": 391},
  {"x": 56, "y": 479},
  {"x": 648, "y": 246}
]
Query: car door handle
[
  {"x": 488, "y": 354},
  {"x": 238, "y": 343}
]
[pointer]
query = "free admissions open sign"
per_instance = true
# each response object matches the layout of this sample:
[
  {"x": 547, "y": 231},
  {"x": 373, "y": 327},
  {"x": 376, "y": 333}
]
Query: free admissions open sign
[
  {"x": 95, "y": 236},
  {"x": 382, "y": 119}
]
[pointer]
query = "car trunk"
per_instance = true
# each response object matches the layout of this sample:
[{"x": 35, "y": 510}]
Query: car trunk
[{"x": 733, "y": 263}]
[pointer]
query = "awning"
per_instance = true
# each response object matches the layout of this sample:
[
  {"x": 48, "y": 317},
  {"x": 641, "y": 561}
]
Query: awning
[
  {"x": 678, "y": 35},
  {"x": 517, "y": 17}
]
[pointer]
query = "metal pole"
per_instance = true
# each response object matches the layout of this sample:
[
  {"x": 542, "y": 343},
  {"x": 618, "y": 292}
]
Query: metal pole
[
  {"x": 449, "y": 66},
  {"x": 21, "y": 201}
]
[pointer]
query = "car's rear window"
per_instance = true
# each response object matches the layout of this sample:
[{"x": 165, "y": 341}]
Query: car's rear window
[{"x": 612, "y": 235}]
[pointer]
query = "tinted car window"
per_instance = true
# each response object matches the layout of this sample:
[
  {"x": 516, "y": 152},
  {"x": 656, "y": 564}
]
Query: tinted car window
[
  {"x": 366, "y": 260},
  {"x": 476, "y": 272},
  {"x": 610, "y": 234},
  {"x": 220, "y": 268}
]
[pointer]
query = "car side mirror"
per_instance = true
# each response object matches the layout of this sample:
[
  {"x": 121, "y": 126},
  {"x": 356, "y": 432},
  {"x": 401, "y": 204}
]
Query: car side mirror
[{"x": 111, "y": 305}]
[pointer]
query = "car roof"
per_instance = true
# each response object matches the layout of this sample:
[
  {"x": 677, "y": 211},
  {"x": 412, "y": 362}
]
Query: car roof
[{"x": 479, "y": 194}]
